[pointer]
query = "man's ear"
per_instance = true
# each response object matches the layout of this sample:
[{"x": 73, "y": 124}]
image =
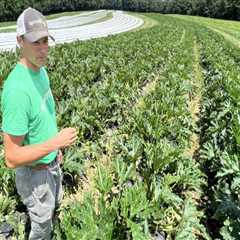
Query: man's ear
[{"x": 20, "y": 41}]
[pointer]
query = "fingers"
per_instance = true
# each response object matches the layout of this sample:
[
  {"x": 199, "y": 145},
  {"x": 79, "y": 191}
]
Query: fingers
[
  {"x": 69, "y": 136},
  {"x": 73, "y": 130},
  {"x": 73, "y": 133},
  {"x": 73, "y": 140}
]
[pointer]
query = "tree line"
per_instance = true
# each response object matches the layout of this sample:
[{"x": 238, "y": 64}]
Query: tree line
[{"x": 226, "y": 9}]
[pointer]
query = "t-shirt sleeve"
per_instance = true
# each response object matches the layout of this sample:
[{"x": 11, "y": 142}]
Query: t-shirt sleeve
[{"x": 15, "y": 112}]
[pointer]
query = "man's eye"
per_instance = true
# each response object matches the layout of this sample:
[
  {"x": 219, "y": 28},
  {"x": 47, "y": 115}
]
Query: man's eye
[{"x": 43, "y": 41}]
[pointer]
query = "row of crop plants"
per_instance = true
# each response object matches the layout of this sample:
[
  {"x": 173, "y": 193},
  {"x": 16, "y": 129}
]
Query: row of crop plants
[
  {"x": 220, "y": 133},
  {"x": 144, "y": 185}
]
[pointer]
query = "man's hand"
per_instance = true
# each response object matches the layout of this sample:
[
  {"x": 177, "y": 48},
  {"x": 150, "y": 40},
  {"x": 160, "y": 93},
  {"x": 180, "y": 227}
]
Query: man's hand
[
  {"x": 66, "y": 137},
  {"x": 17, "y": 155}
]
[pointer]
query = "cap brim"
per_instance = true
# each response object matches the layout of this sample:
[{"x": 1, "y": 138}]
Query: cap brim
[{"x": 35, "y": 36}]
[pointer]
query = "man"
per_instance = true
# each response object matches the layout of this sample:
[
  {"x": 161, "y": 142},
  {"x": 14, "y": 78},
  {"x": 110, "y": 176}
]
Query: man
[{"x": 32, "y": 142}]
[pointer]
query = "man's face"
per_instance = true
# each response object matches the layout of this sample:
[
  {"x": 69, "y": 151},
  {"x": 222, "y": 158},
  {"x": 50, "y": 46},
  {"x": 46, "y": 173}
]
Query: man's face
[{"x": 35, "y": 52}]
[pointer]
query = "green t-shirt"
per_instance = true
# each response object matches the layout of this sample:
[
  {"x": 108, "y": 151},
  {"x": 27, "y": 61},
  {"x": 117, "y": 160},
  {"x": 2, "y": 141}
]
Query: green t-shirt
[{"x": 28, "y": 107}]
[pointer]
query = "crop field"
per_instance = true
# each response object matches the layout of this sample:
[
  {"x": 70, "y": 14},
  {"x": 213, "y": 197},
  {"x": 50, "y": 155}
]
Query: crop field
[{"x": 158, "y": 116}]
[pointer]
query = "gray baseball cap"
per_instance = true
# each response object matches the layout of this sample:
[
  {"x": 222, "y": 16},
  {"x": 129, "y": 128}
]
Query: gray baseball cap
[{"x": 32, "y": 25}]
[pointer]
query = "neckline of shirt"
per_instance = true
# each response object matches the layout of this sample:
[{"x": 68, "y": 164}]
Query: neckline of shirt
[{"x": 29, "y": 69}]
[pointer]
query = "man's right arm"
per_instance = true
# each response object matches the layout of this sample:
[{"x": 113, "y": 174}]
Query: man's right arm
[{"x": 17, "y": 155}]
